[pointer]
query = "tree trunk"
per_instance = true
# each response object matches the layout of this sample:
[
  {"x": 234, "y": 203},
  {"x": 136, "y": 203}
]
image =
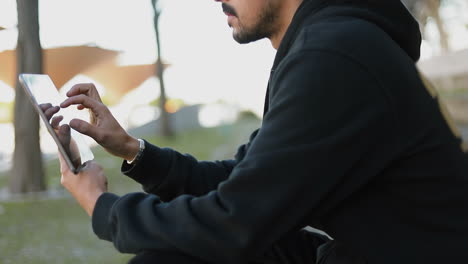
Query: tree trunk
[
  {"x": 166, "y": 129},
  {"x": 434, "y": 6},
  {"x": 27, "y": 174}
]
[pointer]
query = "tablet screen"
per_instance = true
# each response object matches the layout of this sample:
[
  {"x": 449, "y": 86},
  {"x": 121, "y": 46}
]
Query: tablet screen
[{"x": 41, "y": 90}]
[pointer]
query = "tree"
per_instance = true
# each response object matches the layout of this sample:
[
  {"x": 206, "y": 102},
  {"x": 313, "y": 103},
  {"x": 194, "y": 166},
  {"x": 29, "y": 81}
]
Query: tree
[
  {"x": 423, "y": 10},
  {"x": 166, "y": 128},
  {"x": 27, "y": 174}
]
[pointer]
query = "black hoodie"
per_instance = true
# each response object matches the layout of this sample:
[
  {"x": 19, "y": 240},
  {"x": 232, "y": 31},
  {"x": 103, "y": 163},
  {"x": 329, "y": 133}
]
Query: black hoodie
[{"x": 353, "y": 141}]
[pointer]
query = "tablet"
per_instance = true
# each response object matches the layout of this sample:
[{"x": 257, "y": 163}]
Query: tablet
[{"x": 41, "y": 90}]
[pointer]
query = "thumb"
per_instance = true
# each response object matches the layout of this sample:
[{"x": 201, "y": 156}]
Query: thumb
[{"x": 85, "y": 128}]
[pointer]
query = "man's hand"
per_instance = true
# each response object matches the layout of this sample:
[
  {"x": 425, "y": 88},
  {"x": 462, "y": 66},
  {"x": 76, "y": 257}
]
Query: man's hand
[
  {"x": 49, "y": 110},
  {"x": 86, "y": 186},
  {"x": 103, "y": 128},
  {"x": 63, "y": 132}
]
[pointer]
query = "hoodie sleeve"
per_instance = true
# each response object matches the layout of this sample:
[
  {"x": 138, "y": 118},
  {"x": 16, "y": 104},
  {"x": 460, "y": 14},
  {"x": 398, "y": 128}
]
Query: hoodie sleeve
[
  {"x": 321, "y": 127},
  {"x": 168, "y": 173}
]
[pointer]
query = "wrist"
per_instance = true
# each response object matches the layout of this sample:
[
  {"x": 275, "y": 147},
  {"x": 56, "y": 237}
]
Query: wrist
[
  {"x": 90, "y": 202},
  {"x": 139, "y": 154},
  {"x": 132, "y": 149}
]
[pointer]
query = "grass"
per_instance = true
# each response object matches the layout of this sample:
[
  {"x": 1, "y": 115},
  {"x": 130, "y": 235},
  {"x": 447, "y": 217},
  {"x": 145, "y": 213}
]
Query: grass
[
  {"x": 59, "y": 231},
  {"x": 52, "y": 231}
]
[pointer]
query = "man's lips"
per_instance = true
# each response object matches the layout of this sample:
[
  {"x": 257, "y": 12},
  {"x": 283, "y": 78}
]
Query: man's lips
[{"x": 228, "y": 10}]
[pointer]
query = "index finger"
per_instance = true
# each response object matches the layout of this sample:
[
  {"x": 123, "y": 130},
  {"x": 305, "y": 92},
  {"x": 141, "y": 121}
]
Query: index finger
[
  {"x": 84, "y": 100},
  {"x": 45, "y": 106},
  {"x": 81, "y": 88}
]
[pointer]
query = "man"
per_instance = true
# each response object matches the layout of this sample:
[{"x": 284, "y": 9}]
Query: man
[{"x": 353, "y": 142}]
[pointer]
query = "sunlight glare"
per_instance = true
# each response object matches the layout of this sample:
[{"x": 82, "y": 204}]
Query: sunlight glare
[
  {"x": 7, "y": 93},
  {"x": 212, "y": 115}
]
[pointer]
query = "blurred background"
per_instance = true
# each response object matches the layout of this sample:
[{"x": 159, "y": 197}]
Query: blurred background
[{"x": 171, "y": 73}]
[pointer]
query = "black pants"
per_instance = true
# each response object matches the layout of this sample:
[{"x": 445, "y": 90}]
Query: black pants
[{"x": 300, "y": 247}]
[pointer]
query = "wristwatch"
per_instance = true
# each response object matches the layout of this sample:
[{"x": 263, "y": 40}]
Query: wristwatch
[{"x": 139, "y": 154}]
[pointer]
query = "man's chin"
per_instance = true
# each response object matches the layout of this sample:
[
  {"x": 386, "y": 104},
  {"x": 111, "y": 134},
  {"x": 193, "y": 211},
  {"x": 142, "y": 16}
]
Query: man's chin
[{"x": 244, "y": 39}]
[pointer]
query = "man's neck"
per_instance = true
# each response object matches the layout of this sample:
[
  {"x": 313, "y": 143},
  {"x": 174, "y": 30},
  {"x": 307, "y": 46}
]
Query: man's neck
[{"x": 286, "y": 14}]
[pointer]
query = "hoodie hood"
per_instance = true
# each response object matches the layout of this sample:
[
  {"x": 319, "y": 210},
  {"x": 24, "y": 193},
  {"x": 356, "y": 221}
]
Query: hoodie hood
[{"x": 389, "y": 15}]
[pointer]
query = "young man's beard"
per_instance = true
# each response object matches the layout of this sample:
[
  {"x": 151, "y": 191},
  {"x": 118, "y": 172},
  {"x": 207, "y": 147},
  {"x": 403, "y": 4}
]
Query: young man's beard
[{"x": 264, "y": 27}]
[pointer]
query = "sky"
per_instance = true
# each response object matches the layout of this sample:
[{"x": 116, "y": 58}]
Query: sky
[{"x": 207, "y": 65}]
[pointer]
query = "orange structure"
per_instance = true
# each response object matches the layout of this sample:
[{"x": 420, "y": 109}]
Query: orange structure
[{"x": 63, "y": 63}]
